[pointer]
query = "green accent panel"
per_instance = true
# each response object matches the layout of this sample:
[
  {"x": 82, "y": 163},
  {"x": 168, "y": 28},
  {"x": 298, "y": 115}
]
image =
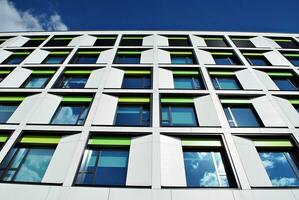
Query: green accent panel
[
  {"x": 236, "y": 101},
  {"x": 77, "y": 99},
  {"x": 59, "y": 53},
  {"x": 89, "y": 52},
  {"x": 175, "y": 72},
  {"x": 21, "y": 53},
  {"x": 137, "y": 72},
  {"x": 222, "y": 73},
  {"x": 3, "y": 138},
  {"x": 3, "y": 39},
  {"x": 288, "y": 74},
  {"x": 133, "y": 99},
  {"x": 106, "y": 38},
  {"x": 4, "y": 71},
  {"x": 133, "y": 38},
  {"x": 253, "y": 54},
  {"x": 64, "y": 38},
  {"x": 177, "y": 38},
  {"x": 291, "y": 55},
  {"x": 213, "y": 38},
  {"x": 294, "y": 101},
  {"x": 38, "y": 139},
  {"x": 272, "y": 142},
  {"x": 222, "y": 53},
  {"x": 110, "y": 141},
  {"x": 204, "y": 142},
  {"x": 43, "y": 72},
  {"x": 77, "y": 71},
  {"x": 241, "y": 39},
  {"x": 129, "y": 52},
  {"x": 282, "y": 40},
  {"x": 38, "y": 38},
  {"x": 176, "y": 100},
  {"x": 180, "y": 53},
  {"x": 12, "y": 98}
]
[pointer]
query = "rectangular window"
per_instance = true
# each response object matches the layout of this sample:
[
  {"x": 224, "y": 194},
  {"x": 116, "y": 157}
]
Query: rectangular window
[
  {"x": 56, "y": 57},
  {"x": 105, "y": 162},
  {"x": 257, "y": 59},
  {"x": 75, "y": 79},
  {"x": 293, "y": 58},
  {"x": 34, "y": 41},
  {"x": 286, "y": 84},
  {"x": 286, "y": 43},
  {"x": 280, "y": 160},
  {"x": 29, "y": 160},
  {"x": 131, "y": 40},
  {"x": 184, "y": 58},
  {"x": 225, "y": 81},
  {"x": 8, "y": 105},
  {"x": 127, "y": 57},
  {"x": 36, "y": 81},
  {"x": 188, "y": 80},
  {"x": 85, "y": 57},
  {"x": 137, "y": 79},
  {"x": 178, "y": 41},
  {"x": 16, "y": 58},
  {"x": 105, "y": 40},
  {"x": 242, "y": 116},
  {"x": 225, "y": 58},
  {"x": 60, "y": 41},
  {"x": 132, "y": 115},
  {"x": 215, "y": 41},
  {"x": 205, "y": 163},
  {"x": 243, "y": 42}
]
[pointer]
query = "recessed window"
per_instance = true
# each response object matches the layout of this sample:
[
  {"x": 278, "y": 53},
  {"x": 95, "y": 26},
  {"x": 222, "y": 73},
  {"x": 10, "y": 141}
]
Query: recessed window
[
  {"x": 36, "y": 81},
  {"x": 6, "y": 110},
  {"x": 103, "y": 165},
  {"x": 242, "y": 116},
  {"x": 74, "y": 79},
  {"x": 286, "y": 43},
  {"x": 132, "y": 115},
  {"x": 85, "y": 57},
  {"x": 59, "y": 41},
  {"x": 225, "y": 58},
  {"x": 137, "y": 79},
  {"x": 131, "y": 41},
  {"x": 55, "y": 57},
  {"x": 177, "y": 41},
  {"x": 103, "y": 40},
  {"x": 286, "y": 84},
  {"x": 226, "y": 83},
  {"x": 293, "y": 58},
  {"x": 243, "y": 42},
  {"x": 215, "y": 41},
  {"x": 16, "y": 58},
  {"x": 257, "y": 59},
  {"x": 127, "y": 57},
  {"x": 34, "y": 42},
  {"x": 183, "y": 58}
]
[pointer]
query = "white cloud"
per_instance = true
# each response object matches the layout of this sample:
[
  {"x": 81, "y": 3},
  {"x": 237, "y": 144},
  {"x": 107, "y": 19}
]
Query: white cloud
[
  {"x": 209, "y": 180},
  {"x": 284, "y": 181},
  {"x": 13, "y": 19}
]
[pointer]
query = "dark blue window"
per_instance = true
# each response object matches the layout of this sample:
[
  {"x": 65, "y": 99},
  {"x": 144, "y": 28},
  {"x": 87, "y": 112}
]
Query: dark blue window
[
  {"x": 188, "y": 83},
  {"x": 70, "y": 114},
  {"x": 127, "y": 59},
  {"x": 242, "y": 116},
  {"x": 258, "y": 61},
  {"x": 182, "y": 59},
  {"x": 178, "y": 116},
  {"x": 136, "y": 82},
  {"x": 75, "y": 82},
  {"x": 216, "y": 42},
  {"x": 246, "y": 43},
  {"x": 226, "y": 60},
  {"x": 54, "y": 59},
  {"x": 226, "y": 83},
  {"x": 294, "y": 61},
  {"x": 6, "y": 110},
  {"x": 132, "y": 115},
  {"x": 286, "y": 84},
  {"x": 14, "y": 60},
  {"x": 36, "y": 82},
  {"x": 85, "y": 59},
  {"x": 205, "y": 169},
  {"x": 104, "y": 167}
]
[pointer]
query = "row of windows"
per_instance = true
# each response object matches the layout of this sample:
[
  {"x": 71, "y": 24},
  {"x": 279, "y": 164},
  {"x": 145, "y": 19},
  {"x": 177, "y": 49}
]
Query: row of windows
[
  {"x": 105, "y": 165},
  {"x": 137, "y": 40},
  {"x": 132, "y": 56}
]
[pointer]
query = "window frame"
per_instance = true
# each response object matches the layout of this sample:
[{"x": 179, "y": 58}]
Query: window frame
[{"x": 36, "y": 76}]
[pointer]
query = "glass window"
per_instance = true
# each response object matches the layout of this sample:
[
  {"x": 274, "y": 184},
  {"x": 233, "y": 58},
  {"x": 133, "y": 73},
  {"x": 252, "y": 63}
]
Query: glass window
[
  {"x": 178, "y": 41},
  {"x": 216, "y": 42},
  {"x": 127, "y": 59},
  {"x": 287, "y": 44},
  {"x": 36, "y": 82},
  {"x": 258, "y": 61},
  {"x": 226, "y": 60},
  {"x": 136, "y": 82},
  {"x": 54, "y": 59},
  {"x": 243, "y": 43},
  {"x": 131, "y": 41},
  {"x": 182, "y": 59},
  {"x": 85, "y": 59},
  {"x": 242, "y": 116},
  {"x": 188, "y": 83},
  {"x": 132, "y": 115},
  {"x": 33, "y": 43},
  {"x": 205, "y": 169},
  {"x": 26, "y": 164},
  {"x": 70, "y": 114},
  {"x": 105, "y": 41},
  {"x": 14, "y": 60},
  {"x": 59, "y": 42},
  {"x": 281, "y": 167},
  {"x": 104, "y": 167},
  {"x": 75, "y": 82},
  {"x": 226, "y": 83},
  {"x": 294, "y": 61},
  {"x": 286, "y": 84},
  {"x": 178, "y": 116},
  {"x": 6, "y": 110}
]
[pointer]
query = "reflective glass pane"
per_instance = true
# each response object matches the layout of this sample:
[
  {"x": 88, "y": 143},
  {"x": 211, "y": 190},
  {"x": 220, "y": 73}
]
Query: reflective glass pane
[
  {"x": 6, "y": 111},
  {"x": 68, "y": 114},
  {"x": 182, "y": 60},
  {"x": 127, "y": 59},
  {"x": 13, "y": 60},
  {"x": 294, "y": 61},
  {"x": 229, "y": 117},
  {"x": 74, "y": 82},
  {"x": 288, "y": 45},
  {"x": 35, "y": 165},
  {"x": 85, "y": 59},
  {"x": 226, "y": 60},
  {"x": 284, "y": 84},
  {"x": 181, "y": 116},
  {"x": 36, "y": 82},
  {"x": 216, "y": 43},
  {"x": 136, "y": 82},
  {"x": 245, "y": 117},
  {"x": 281, "y": 168},
  {"x": 54, "y": 60},
  {"x": 131, "y": 116},
  {"x": 18, "y": 158},
  {"x": 226, "y": 83},
  {"x": 244, "y": 43},
  {"x": 258, "y": 61}
]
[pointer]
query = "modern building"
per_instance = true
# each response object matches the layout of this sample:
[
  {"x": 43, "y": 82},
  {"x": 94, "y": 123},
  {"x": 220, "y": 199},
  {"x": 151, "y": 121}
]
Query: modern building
[{"x": 149, "y": 115}]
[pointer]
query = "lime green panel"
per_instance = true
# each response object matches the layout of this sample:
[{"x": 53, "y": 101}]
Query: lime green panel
[
  {"x": 106, "y": 38},
  {"x": 222, "y": 53},
  {"x": 88, "y": 52},
  {"x": 3, "y": 138},
  {"x": 137, "y": 71},
  {"x": 21, "y": 53},
  {"x": 12, "y": 98},
  {"x": 204, "y": 142},
  {"x": 64, "y": 38},
  {"x": 282, "y": 40},
  {"x": 43, "y": 72},
  {"x": 129, "y": 52},
  {"x": 175, "y": 72},
  {"x": 59, "y": 53},
  {"x": 78, "y": 71},
  {"x": 180, "y": 53},
  {"x": 288, "y": 74},
  {"x": 294, "y": 101},
  {"x": 77, "y": 99},
  {"x": 133, "y": 99},
  {"x": 110, "y": 141},
  {"x": 4, "y": 71},
  {"x": 213, "y": 38},
  {"x": 38, "y": 38},
  {"x": 133, "y": 38},
  {"x": 222, "y": 73},
  {"x": 253, "y": 54},
  {"x": 236, "y": 101},
  {"x": 38, "y": 139},
  {"x": 241, "y": 39},
  {"x": 176, "y": 100},
  {"x": 291, "y": 55},
  {"x": 272, "y": 143},
  {"x": 177, "y": 38}
]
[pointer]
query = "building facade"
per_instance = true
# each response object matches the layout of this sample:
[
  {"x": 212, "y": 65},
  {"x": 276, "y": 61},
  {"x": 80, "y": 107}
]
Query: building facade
[{"x": 162, "y": 115}]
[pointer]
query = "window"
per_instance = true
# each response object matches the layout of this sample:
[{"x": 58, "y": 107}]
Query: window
[
  {"x": 72, "y": 113},
  {"x": 137, "y": 79},
  {"x": 286, "y": 84},
  {"x": 85, "y": 57},
  {"x": 293, "y": 58},
  {"x": 215, "y": 42},
  {"x": 294, "y": 61},
  {"x": 257, "y": 59},
  {"x": 127, "y": 57},
  {"x": 280, "y": 160},
  {"x": 178, "y": 58},
  {"x": 242, "y": 116},
  {"x": 205, "y": 163},
  {"x": 34, "y": 42},
  {"x": 105, "y": 40},
  {"x": 104, "y": 166},
  {"x": 191, "y": 82},
  {"x": 225, "y": 58},
  {"x": 4, "y": 73},
  {"x": 243, "y": 42},
  {"x": 36, "y": 81},
  {"x": 177, "y": 115},
  {"x": 226, "y": 83},
  {"x": 131, "y": 41},
  {"x": 26, "y": 162},
  {"x": 16, "y": 58},
  {"x": 6, "y": 110},
  {"x": 132, "y": 115},
  {"x": 59, "y": 41},
  {"x": 55, "y": 57},
  {"x": 73, "y": 79},
  {"x": 176, "y": 41},
  {"x": 286, "y": 43}
]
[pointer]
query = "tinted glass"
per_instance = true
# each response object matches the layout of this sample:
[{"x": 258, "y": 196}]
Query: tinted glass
[
  {"x": 127, "y": 59},
  {"x": 244, "y": 43},
  {"x": 188, "y": 83},
  {"x": 178, "y": 42},
  {"x": 281, "y": 168},
  {"x": 182, "y": 59},
  {"x": 104, "y": 42},
  {"x": 226, "y": 60},
  {"x": 33, "y": 43},
  {"x": 72, "y": 115},
  {"x": 36, "y": 82},
  {"x": 226, "y": 83},
  {"x": 136, "y": 82},
  {"x": 216, "y": 43},
  {"x": 178, "y": 116},
  {"x": 13, "y": 60},
  {"x": 85, "y": 59},
  {"x": 258, "y": 61},
  {"x": 132, "y": 116},
  {"x": 73, "y": 82},
  {"x": 288, "y": 45},
  {"x": 294, "y": 61},
  {"x": 54, "y": 60},
  {"x": 6, "y": 111},
  {"x": 131, "y": 42},
  {"x": 244, "y": 117},
  {"x": 205, "y": 169},
  {"x": 284, "y": 84}
]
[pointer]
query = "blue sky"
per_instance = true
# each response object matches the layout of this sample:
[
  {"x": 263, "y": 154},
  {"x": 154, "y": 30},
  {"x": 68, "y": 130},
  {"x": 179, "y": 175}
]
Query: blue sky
[{"x": 229, "y": 15}]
